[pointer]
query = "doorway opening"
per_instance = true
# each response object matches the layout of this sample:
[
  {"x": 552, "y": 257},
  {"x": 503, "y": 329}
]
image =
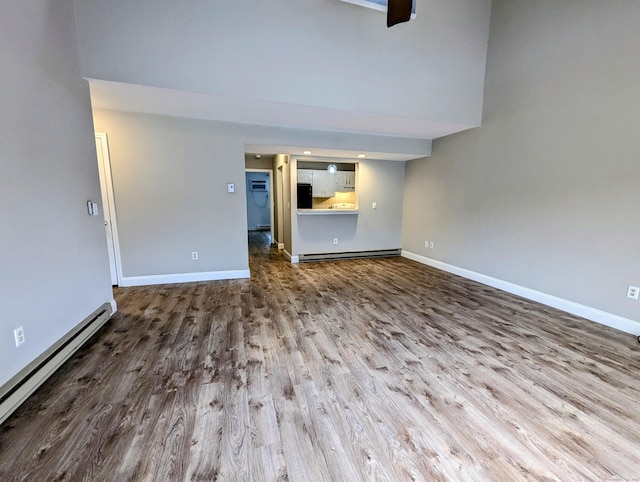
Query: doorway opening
[{"x": 259, "y": 191}]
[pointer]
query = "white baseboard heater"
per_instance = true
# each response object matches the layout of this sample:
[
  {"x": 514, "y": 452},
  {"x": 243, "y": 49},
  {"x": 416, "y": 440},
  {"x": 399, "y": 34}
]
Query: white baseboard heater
[
  {"x": 380, "y": 253},
  {"x": 20, "y": 387}
]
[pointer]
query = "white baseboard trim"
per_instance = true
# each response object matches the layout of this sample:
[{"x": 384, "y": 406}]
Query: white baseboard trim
[
  {"x": 161, "y": 279},
  {"x": 114, "y": 306},
  {"x": 293, "y": 259},
  {"x": 280, "y": 245},
  {"x": 593, "y": 314}
]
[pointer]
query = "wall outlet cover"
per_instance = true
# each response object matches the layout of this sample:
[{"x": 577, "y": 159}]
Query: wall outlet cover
[
  {"x": 633, "y": 292},
  {"x": 18, "y": 333}
]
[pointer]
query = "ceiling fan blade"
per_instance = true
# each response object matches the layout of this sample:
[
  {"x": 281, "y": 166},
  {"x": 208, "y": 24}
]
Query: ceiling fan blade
[{"x": 398, "y": 11}]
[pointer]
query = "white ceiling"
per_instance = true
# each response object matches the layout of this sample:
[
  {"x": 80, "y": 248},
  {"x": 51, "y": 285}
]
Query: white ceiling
[{"x": 155, "y": 100}]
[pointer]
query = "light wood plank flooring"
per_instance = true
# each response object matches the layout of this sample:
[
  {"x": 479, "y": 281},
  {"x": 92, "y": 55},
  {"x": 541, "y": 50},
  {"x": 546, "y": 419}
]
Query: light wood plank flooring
[{"x": 339, "y": 371}]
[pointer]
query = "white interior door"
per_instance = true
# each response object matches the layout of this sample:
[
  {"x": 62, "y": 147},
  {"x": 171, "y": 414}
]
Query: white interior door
[{"x": 108, "y": 207}]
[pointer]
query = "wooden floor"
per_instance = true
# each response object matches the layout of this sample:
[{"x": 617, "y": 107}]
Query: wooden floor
[{"x": 340, "y": 371}]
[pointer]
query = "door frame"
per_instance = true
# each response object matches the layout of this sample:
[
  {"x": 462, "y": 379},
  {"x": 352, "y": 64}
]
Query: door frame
[
  {"x": 280, "y": 205},
  {"x": 270, "y": 172},
  {"x": 109, "y": 205}
]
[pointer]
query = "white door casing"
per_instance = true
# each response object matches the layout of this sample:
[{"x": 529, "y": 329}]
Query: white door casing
[
  {"x": 108, "y": 207},
  {"x": 280, "y": 206}
]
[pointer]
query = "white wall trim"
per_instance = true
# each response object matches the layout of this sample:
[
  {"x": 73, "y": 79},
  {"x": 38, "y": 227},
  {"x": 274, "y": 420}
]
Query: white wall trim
[
  {"x": 593, "y": 314},
  {"x": 280, "y": 245},
  {"x": 114, "y": 306},
  {"x": 183, "y": 277},
  {"x": 290, "y": 257},
  {"x": 105, "y": 170}
]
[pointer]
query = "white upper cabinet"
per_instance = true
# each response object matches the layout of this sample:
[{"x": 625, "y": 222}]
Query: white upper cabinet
[
  {"x": 305, "y": 176},
  {"x": 345, "y": 181},
  {"x": 323, "y": 184}
]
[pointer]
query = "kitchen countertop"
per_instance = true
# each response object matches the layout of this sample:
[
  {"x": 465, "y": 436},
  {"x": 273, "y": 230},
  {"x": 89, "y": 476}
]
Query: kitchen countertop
[{"x": 316, "y": 212}]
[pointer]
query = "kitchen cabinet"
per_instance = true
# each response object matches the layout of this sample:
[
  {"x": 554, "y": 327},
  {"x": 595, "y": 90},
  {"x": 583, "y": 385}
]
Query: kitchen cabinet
[
  {"x": 305, "y": 176},
  {"x": 324, "y": 184},
  {"x": 345, "y": 181},
  {"x": 351, "y": 179}
]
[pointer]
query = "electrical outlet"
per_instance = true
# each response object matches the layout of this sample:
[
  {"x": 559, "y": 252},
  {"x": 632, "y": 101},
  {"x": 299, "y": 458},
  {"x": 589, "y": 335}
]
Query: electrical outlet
[
  {"x": 633, "y": 292},
  {"x": 194, "y": 255},
  {"x": 335, "y": 240},
  {"x": 18, "y": 333},
  {"x": 431, "y": 244}
]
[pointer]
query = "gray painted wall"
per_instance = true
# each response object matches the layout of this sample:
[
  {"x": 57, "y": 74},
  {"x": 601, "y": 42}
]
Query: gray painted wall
[
  {"x": 546, "y": 193},
  {"x": 53, "y": 255},
  {"x": 322, "y": 53},
  {"x": 371, "y": 229},
  {"x": 170, "y": 180},
  {"x": 265, "y": 162},
  {"x": 170, "y": 176}
]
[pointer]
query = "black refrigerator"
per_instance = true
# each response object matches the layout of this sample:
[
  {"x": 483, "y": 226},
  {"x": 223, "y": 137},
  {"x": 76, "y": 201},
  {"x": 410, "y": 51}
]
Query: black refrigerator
[{"x": 304, "y": 196}]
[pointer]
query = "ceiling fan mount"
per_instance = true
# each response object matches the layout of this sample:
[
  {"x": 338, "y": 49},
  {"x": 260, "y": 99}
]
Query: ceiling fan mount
[{"x": 398, "y": 11}]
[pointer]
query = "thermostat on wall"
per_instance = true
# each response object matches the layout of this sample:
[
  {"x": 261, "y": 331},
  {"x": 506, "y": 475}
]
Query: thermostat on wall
[{"x": 92, "y": 208}]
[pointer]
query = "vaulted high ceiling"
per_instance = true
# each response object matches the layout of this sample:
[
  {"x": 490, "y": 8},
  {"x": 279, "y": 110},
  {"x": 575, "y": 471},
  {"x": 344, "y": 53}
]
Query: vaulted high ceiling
[{"x": 314, "y": 64}]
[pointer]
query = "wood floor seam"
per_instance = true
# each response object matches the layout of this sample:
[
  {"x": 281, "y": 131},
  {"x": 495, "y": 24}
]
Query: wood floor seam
[{"x": 355, "y": 370}]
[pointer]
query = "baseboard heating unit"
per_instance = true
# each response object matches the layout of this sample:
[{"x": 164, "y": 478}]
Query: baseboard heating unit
[
  {"x": 20, "y": 387},
  {"x": 381, "y": 253}
]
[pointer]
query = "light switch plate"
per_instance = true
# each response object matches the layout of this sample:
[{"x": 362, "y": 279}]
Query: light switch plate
[{"x": 231, "y": 187}]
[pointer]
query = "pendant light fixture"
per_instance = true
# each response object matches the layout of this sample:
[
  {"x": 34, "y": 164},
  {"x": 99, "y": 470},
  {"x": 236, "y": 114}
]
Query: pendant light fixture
[{"x": 332, "y": 168}]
